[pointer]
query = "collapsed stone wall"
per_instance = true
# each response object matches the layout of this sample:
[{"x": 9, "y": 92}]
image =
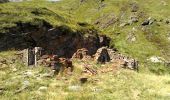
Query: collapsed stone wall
[{"x": 107, "y": 55}]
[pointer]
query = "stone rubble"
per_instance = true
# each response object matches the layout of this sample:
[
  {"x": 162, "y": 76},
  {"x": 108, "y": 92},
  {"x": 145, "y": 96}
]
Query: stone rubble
[
  {"x": 112, "y": 56},
  {"x": 106, "y": 55},
  {"x": 64, "y": 66}
]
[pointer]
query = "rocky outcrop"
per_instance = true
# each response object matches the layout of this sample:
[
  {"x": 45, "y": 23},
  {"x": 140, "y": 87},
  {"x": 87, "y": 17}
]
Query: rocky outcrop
[
  {"x": 61, "y": 41},
  {"x": 20, "y": 36}
]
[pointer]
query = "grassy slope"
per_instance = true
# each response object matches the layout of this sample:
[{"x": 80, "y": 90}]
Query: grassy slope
[
  {"x": 123, "y": 84},
  {"x": 152, "y": 41},
  {"x": 33, "y": 12}
]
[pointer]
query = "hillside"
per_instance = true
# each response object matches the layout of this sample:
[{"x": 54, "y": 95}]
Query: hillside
[
  {"x": 137, "y": 29},
  {"x": 122, "y": 21},
  {"x": 20, "y": 82}
]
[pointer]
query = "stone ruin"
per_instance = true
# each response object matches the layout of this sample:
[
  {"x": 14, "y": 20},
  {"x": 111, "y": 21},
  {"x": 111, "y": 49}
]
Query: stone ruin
[
  {"x": 102, "y": 55},
  {"x": 81, "y": 54},
  {"x": 35, "y": 56},
  {"x": 30, "y": 56},
  {"x": 106, "y": 55}
]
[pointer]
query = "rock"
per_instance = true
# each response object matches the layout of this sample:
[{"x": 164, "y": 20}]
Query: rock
[
  {"x": 83, "y": 80},
  {"x": 3, "y": 61},
  {"x": 146, "y": 22},
  {"x": 131, "y": 37},
  {"x": 26, "y": 83},
  {"x": 164, "y": 3},
  {"x": 169, "y": 38},
  {"x": 133, "y": 19},
  {"x": 124, "y": 24},
  {"x": 81, "y": 54},
  {"x": 149, "y": 21},
  {"x": 51, "y": 74},
  {"x": 25, "y": 86},
  {"x": 156, "y": 59},
  {"x": 14, "y": 69},
  {"x": 62, "y": 66},
  {"x": 102, "y": 55},
  {"x": 28, "y": 73},
  {"x": 42, "y": 89},
  {"x": 132, "y": 64},
  {"x": 2, "y": 90},
  {"x": 97, "y": 90},
  {"x": 61, "y": 41},
  {"x": 134, "y": 7},
  {"x": 167, "y": 63},
  {"x": 44, "y": 56},
  {"x": 75, "y": 88}
]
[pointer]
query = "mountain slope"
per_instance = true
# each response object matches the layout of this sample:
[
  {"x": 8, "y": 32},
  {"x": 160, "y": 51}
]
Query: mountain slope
[{"x": 122, "y": 21}]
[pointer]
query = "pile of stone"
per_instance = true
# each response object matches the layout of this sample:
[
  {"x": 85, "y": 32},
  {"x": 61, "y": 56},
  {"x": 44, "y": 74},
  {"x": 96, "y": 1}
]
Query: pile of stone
[
  {"x": 35, "y": 56},
  {"x": 58, "y": 65},
  {"x": 3, "y": 61},
  {"x": 81, "y": 54},
  {"x": 104, "y": 55}
]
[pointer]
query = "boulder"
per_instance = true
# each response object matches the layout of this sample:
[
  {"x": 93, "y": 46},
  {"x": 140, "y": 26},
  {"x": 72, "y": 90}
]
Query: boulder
[
  {"x": 156, "y": 59},
  {"x": 149, "y": 21},
  {"x": 42, "y": 89},
  {"x": 134, "y": 7},
  {"x": 74, "y": 88},
  {"x": 124, "y": 24},
  {"x": 133, "y": 19},
  {"x": 3, "y": 61},
  {"x": 131, "y": 37},
  {"x": 83, "y": 80}
]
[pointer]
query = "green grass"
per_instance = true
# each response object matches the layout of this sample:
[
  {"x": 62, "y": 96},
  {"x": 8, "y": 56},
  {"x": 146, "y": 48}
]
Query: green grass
[
  {"x": 149, "y": 42},
  {"x": 124, "y": 84},
  {"x": 151, "y": 83},
  {"x": 34, "y": 12}
]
